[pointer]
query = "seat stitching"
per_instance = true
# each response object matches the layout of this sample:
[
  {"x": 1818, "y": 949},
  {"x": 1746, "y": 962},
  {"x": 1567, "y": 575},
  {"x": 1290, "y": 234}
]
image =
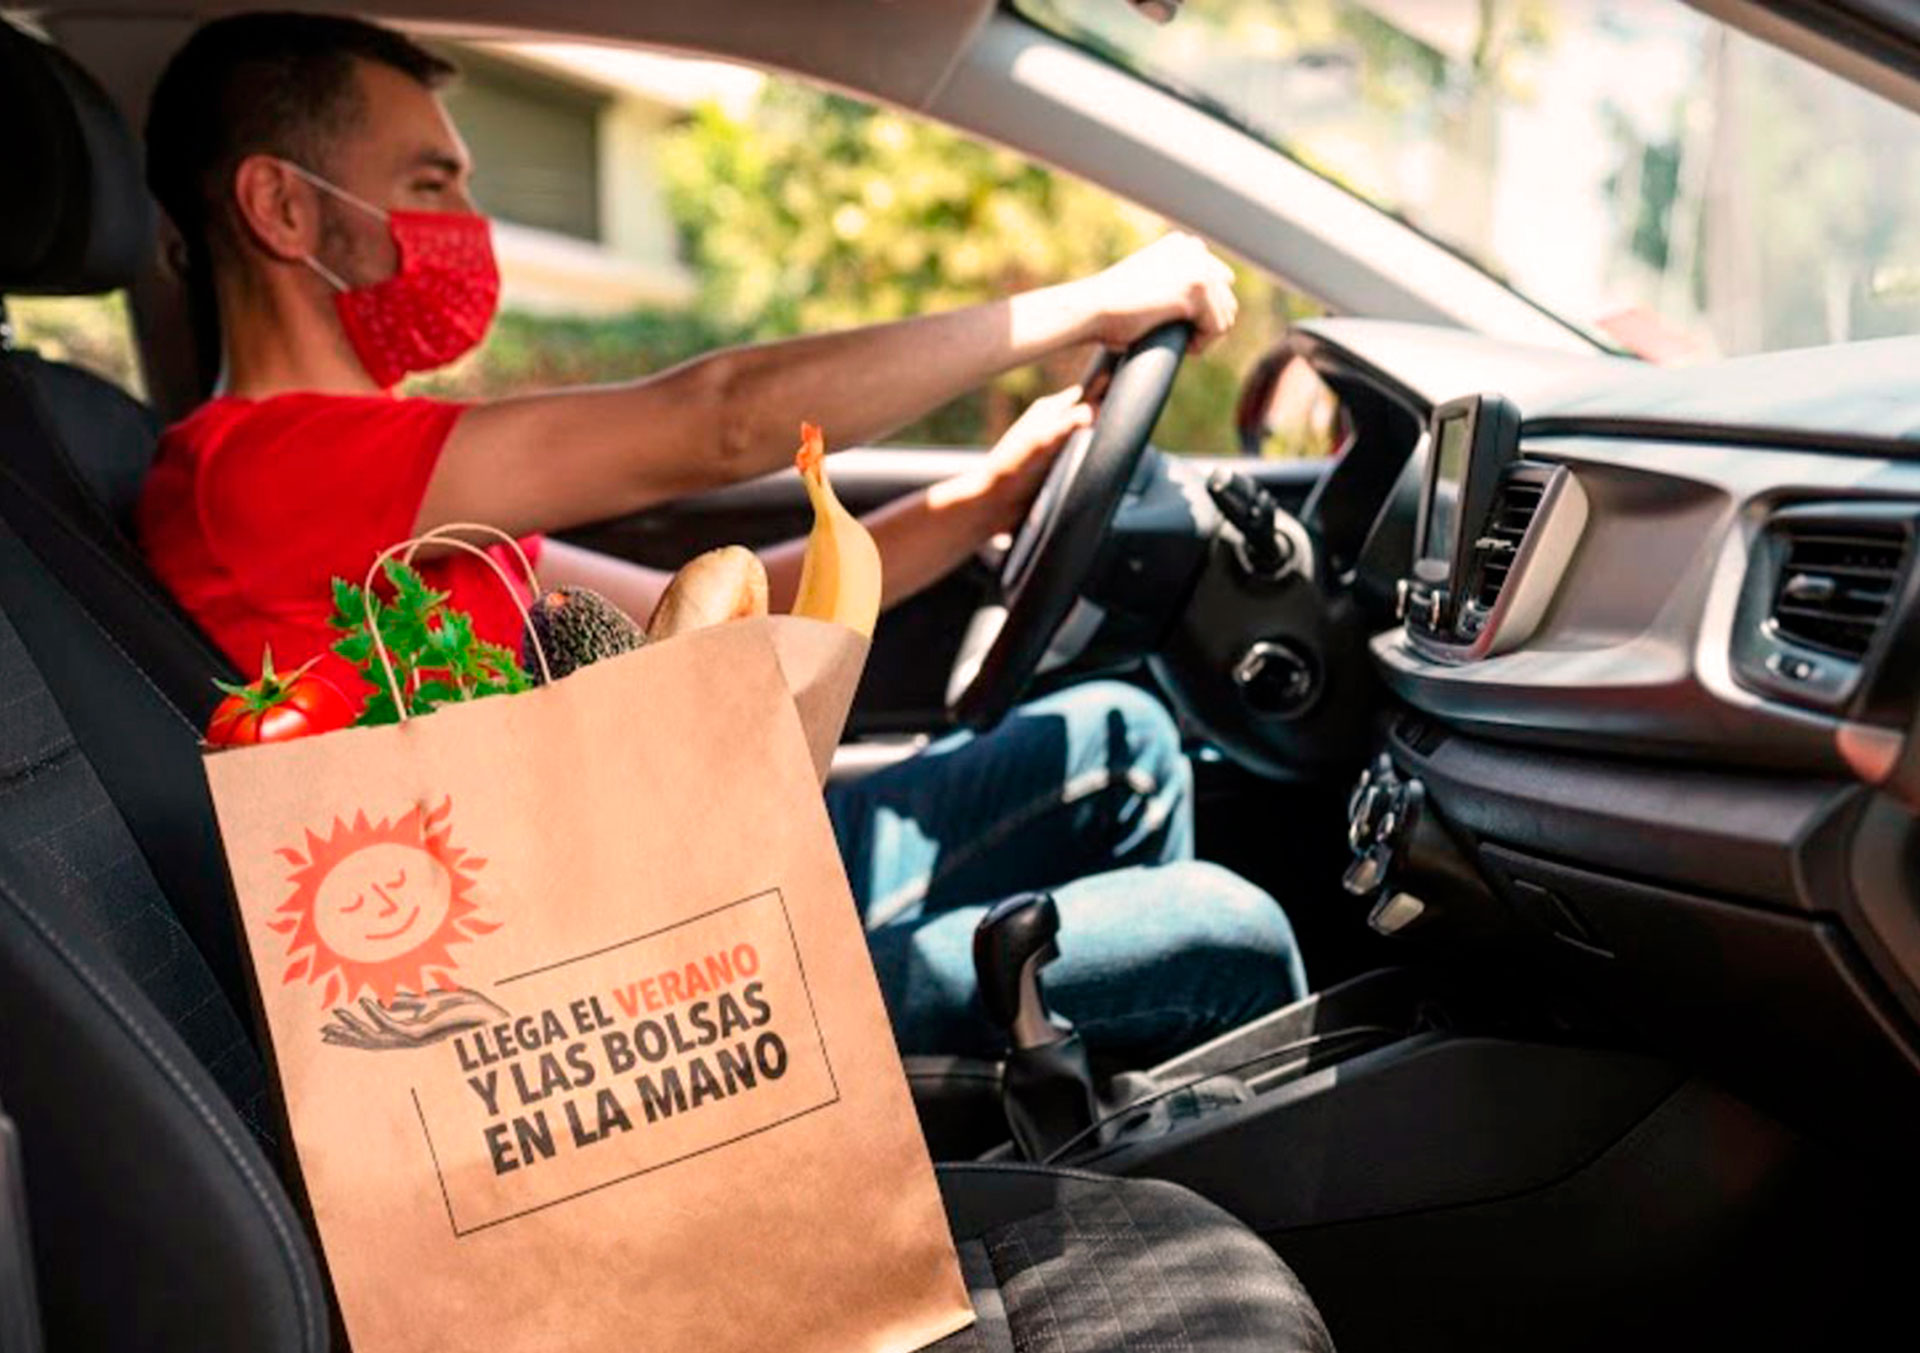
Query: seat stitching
[
  {"x": 1186, "y": 1336},
  {"x": 1051, "y": 1320},
  {"x": 17, "y": 776},
  {"x": 139, "y": 670},
  {"x": 1101, "y": 1242},
  {"x": 58, "y": 518},
  {"x": 1004, "y": 1323},
  {"x": 30, "y": 402},
  {"x": 133, "y": 1025}
]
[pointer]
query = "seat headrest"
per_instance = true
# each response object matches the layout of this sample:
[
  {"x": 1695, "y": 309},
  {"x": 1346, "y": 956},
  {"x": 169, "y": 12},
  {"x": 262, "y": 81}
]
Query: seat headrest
[{"x": 74, "y": 214}]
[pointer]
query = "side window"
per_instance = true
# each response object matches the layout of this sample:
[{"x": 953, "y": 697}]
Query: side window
[
  {"x": 718, "y": 205},
  {"x": 95, "y": 332},
  {"x": 541, "y": 138}
]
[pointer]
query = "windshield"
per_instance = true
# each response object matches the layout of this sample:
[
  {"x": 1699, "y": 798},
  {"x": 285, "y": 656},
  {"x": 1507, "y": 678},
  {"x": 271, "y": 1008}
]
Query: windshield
[{"x": 1634, "y": 166}]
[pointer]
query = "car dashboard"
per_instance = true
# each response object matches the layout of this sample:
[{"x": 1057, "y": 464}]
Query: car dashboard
[
  {"x": 1652, "y": 746},
  {"x": 1683, "y": 599}
]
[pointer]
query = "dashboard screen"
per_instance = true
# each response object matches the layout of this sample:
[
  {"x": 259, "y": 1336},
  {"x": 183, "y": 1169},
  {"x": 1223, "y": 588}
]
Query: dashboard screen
[{"x": 1443, "y": 512}]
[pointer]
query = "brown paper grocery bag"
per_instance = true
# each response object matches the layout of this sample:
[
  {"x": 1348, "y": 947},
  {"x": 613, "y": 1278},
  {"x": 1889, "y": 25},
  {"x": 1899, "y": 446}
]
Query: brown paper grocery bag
[{"x": 576, "y": 1027}]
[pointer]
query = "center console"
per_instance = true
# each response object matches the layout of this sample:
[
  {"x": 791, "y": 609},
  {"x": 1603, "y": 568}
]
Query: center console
[
  {"x": 1495, "y": 533},
  {"x": 1379, "y": 1096}
]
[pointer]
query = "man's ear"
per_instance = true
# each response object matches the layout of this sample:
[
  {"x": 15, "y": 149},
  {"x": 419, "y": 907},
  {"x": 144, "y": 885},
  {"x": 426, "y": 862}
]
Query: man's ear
[{"x": 276, "y": 208}]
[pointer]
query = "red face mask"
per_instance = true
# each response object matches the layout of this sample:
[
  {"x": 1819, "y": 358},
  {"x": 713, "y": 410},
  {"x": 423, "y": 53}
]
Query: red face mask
[{"x": 439, "y": 301}]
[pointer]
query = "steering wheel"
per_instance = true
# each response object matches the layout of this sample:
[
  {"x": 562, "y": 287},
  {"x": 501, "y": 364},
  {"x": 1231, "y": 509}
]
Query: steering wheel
[{"x": 1057, "y": 543}]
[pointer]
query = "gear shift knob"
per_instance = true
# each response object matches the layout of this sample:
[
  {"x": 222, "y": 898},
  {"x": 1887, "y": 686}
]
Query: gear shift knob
[
  {"x": 1014, "y": 940},
  {"x": 1047, "y": 1085}
]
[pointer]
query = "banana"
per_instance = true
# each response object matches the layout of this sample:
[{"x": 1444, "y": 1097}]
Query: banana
[{"x": 840, "y": 575}]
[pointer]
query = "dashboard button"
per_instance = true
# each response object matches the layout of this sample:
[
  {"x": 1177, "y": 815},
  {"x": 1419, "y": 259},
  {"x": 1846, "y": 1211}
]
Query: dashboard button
[
  {"x": 1793, "y": 668},
  {"x": 1276, "y": 678}
]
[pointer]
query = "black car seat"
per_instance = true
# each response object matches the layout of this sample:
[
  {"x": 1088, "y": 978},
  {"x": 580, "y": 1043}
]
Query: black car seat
[
  {"x": 73, "y": 451},
  {"x": 157, "y": 1218}
]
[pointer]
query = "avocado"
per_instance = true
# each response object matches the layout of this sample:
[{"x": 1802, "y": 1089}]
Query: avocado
[{"x": 575, "y": 626}]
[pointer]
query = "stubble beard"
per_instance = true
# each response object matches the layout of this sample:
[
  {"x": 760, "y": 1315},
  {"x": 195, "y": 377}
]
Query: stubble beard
[{"x": 350, "y": 248}]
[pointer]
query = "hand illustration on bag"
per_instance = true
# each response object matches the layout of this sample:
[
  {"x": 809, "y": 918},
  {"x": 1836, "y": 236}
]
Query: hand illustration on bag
[{"x": 409, "y": 1021}]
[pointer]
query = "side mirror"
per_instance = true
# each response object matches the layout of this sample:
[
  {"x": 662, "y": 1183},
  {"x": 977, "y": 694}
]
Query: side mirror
[{"x": 1287, "y": 410}]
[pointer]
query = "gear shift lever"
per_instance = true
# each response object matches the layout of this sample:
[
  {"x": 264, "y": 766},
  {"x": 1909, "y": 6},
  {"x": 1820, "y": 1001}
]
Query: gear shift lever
[{"x": 1047, "y": 1086}]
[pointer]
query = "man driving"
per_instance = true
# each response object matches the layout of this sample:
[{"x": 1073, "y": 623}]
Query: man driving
[{"x": 322, "y": 194}]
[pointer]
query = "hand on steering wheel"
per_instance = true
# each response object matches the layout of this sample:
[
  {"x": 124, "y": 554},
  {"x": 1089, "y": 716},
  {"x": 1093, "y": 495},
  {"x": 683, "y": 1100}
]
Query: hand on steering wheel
[
  {"x": 1022, "y": 461},
  {"x": 1056, "y": 546}
]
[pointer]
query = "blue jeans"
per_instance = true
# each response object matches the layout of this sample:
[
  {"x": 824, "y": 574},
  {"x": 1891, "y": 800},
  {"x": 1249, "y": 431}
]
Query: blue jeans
[{"x": 1085, "y": 793}]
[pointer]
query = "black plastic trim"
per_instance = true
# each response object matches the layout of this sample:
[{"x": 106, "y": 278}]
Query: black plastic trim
[
  {"x": 1783, "y": 1009},
  {"x": 1432, "y": 1120},
  {"x": 1331, "y": 359},
  {"x": 1723, "y": 832},
  {"x": 1884, "y": 38},
  {"x": 1709, "y": 1225},
  {"x": 1343, "y": 508},
  {"x": 1493, "y": 443}
]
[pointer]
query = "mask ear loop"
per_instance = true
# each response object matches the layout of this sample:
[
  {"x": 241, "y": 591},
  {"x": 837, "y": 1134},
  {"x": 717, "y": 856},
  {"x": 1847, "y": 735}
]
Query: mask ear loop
[
  {"x": 444, "y": 535},
  {"x": 332, "y": 278},
  {"x": 328, "y": 275},
  {"x": 327, "y": 186}
]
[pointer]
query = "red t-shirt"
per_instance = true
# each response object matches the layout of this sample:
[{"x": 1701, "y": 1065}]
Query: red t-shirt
[{"x": 254, "y": 507}]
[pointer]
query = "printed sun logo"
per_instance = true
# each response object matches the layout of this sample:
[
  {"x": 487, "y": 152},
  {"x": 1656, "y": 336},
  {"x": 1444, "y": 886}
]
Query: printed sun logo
[{"x": 379, "y": 905}]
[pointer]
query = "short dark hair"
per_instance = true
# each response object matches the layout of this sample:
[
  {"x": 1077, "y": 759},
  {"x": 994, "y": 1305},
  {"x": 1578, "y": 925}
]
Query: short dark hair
[{"x": 265, "y": 83}]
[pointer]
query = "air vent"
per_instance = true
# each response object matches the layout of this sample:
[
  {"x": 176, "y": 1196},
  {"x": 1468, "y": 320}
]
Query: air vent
[
  {"x": 1836, "y": 583},
  {"x": 1499, "y": 545}
]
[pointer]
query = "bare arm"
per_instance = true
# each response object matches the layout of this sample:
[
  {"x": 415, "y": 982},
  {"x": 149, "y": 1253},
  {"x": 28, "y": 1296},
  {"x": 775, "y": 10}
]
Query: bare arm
[
  {"x": 550, "y": 461},
  {"x": 922, "y": 537}
]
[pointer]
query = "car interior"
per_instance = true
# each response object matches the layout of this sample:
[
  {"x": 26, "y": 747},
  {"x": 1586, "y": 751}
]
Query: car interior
[{"x": 1569, "y": 709}]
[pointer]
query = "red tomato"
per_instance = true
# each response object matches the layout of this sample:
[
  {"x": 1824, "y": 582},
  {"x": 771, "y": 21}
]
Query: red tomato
[{"x": 276, "y": 708}]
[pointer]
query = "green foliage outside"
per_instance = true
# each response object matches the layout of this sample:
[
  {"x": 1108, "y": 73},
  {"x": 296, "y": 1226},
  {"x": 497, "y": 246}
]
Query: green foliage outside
[
  {"x": 817, "y": 212},
  {"x": 95, "y": 332}
]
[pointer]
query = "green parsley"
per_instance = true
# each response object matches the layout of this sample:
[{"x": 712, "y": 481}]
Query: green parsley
[{"x": 437, "y": 657}]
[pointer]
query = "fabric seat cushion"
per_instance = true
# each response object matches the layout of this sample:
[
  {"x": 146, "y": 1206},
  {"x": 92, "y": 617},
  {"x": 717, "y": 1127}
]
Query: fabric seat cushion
[{"x": 1062, "y": 1261}]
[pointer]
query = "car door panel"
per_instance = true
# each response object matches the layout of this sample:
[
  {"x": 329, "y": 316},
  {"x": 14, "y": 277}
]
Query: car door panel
[{"x": 904, "y": 689}]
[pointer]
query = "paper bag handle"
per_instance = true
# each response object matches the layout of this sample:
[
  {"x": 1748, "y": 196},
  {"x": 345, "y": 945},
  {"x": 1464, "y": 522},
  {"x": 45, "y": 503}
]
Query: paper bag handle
[{"x": 444, "y": 535}]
